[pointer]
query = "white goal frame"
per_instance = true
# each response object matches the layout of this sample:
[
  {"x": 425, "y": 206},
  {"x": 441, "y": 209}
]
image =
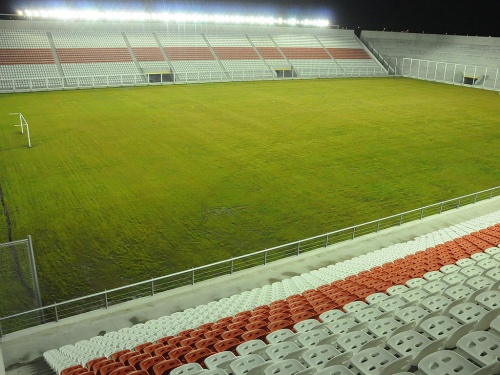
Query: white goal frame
[{"x": 22, "y": 123}]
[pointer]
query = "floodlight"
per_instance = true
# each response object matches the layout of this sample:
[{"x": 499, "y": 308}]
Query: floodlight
[{"x": 95, "y": 15}]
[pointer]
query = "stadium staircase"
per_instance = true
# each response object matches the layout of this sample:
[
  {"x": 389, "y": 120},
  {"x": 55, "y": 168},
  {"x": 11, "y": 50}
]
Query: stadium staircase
[{"x": 428, "y": 306}]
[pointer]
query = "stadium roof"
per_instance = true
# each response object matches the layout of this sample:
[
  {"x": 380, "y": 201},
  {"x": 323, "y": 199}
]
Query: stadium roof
[{"x": 429, "y": 16}]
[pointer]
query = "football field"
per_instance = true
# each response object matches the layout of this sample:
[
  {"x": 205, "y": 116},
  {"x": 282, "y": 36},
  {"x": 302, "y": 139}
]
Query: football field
[{"x": 126, "y": 184}]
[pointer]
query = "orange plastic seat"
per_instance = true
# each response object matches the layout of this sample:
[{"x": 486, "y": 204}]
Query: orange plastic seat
[
  {"x": 136, "y": 360},
  {"x": 260, "y": 324},
  {"x": 79, "y": 371},
  {"x": 280, "y": 324},
  {"x": 66, "y": 371},
  {"x": 125, "y": 357},
  {"x": 97, "y": 367},
  {"x": 185, "y": 333},
  {"x": 215, "y": 333},
  {"x": 179, "y": 353},
  {"x": 164, "y": 340},
  {"x": 254, "y": 335},
  {"x": 139, "y": 348},
  {"x": 237, "y": 325},
  {"x": 127, "y": 370},
  {"x": 105, "y": 370},
  {"x": 207, "y": 326},
  {"x": 227, "y": 345},
  {"x": 207, "y": 343},
  {"x": 234, "y": 333},
  {"x": 164, "y": 350},
  {"x": 164, "y": 368},
  {"x": 151, "y": 348},
  {"x": 115, "y": 356},
  {"x": 149, "y": 363},
  {"x": 92, "y": 362},
  {"x": 175, "y": 340},
  {"x": 198, "y": 355},
  {"x": 189, "y": 341}
]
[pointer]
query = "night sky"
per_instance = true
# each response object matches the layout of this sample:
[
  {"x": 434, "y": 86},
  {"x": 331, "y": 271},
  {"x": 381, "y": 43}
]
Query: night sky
[{"x": 466, "y": 17}]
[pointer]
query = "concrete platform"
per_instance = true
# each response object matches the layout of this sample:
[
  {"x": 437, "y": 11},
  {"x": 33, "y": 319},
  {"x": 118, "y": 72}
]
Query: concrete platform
[{"x": 28, "y": 345}]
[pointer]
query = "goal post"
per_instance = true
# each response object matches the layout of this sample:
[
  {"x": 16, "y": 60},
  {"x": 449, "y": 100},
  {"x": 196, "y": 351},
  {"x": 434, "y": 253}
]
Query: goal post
[{"x": 23, "y": 123}]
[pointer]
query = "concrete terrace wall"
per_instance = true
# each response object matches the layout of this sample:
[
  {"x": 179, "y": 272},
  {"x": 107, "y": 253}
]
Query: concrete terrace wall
[{"x": 460, "y": 49}]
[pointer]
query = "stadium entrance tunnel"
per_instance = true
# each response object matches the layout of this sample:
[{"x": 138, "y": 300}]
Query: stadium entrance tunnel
[
  {"x": 160, "y": 77},
  {"x": 285, "y": 73},
  {"x": 470, "y": 80}
]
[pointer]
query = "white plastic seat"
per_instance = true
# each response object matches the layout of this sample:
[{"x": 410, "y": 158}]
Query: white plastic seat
[
  {"x": 325, "y": 355},
  {"x": 219, "y": 360},
  {"x": 465, "y": 262},
  {"x": 449, "y": 268},
  {"x": 414, "y": 344},
  {"x": 217, "y": 371},
  {"x": 416, "y": 282},
  {"x": 371, "y": 313},
  {"x": 447, "y": 362},
  {"x": 396, "y": 289},
  {"x": 393, "y": 303},
  {"x": 492, "y": 250},
  {"x": 249, "y": 347},
  {"x": 453, "y": 278},
  {"x": 375, "y": 298},
  {"x": 442, "y": 326},
  {"x": 378, "y": 361},
  {"x": 279, "y": 335},
  {"x": 459, "y": 292},
  {"x": 305, "y": 325},
  {"x": 433, "y": 275},
  {"x": 493, "y": 274},
  {"x": 278, "y": 351},
  {"x": 470, "y": 312},
  {"x": 388, "y": 327},
  {"x": 479, "y": 256},
  {"x": 285, "y": 367},
  {"x": 495, "y": 326},
  {"x": 438, "y": 303},
  {"x": 344, "y": 326},
  {"x": 333, "y": 315},
  {"x": 188, "y": 369},
  {"x": 471, "y": 270},
  {"x": 416, "y": 314},
  {"x": 435, "y": 286},
  {"x": 355, "y": 306},
  {"x": 312, "y": 338},
  {"x": 244, "y": 364},
  {"x": 479, "y": 282},
  {"x": 480, "y": 347},
  {"x": 414, "y": 295},
  {"x": 488, "y": 263},
  {"x": 335, "y": 370},
  {"x": 358, "y": 340}
]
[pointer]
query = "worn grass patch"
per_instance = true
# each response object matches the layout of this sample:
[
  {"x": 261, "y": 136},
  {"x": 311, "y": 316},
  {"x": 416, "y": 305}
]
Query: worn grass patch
[{"x": 126, "y": 184}]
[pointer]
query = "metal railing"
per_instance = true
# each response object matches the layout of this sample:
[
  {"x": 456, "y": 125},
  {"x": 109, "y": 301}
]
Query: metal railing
[
  {"x": 470, "y": 75},
  {"x": 11, "y": 85},
  {"x": 103, "y": 300}
]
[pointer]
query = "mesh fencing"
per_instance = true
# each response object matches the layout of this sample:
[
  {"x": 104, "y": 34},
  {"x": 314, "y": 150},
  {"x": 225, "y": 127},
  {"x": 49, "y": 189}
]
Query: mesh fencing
[{"x": 17, "y": 285}]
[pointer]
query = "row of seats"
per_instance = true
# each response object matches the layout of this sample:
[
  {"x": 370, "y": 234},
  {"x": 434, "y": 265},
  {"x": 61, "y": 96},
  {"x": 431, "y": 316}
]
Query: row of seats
[
  {"x": 382, "y": 285},
  {"x": 393, "y": 327},
  {"x": 187, "y": 53}
]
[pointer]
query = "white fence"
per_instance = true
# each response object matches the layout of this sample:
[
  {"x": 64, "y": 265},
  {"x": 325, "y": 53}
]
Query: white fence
[
  {"x": 477, "y": 76},
  {"x": 58, "y": 83},
  {"x": 103, "y": 300}
]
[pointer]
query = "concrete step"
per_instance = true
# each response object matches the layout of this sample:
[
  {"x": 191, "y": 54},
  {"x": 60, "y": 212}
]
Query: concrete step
[{"x": 36, "y": 367}]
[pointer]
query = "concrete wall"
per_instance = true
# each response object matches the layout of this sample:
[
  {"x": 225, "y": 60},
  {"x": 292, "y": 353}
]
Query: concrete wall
[{"x": 460, "y": 49}]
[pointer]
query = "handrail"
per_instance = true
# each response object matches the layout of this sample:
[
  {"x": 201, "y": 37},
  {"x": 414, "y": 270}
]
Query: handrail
[{"x": 45, "y": 313}]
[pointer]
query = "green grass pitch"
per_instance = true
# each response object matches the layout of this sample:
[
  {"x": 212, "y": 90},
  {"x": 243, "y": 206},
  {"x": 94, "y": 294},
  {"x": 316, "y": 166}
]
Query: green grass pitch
[{"x": 127, "y": 184}]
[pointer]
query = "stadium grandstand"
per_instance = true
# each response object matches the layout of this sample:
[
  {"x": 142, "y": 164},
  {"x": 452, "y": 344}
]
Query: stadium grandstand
[{"x": 414, "y": 293}]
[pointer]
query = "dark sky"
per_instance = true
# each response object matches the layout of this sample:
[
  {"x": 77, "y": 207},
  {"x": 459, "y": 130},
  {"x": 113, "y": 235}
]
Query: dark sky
[{"x": 472, "y": 17}]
